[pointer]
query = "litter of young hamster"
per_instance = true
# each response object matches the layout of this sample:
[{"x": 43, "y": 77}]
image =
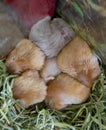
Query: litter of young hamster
[
  {"x": 66, "y": 66},
  {"x": 52, "y": 74}
]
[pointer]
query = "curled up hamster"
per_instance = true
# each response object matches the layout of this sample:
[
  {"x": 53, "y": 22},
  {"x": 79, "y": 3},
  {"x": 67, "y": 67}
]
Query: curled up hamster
[
  {"x": 29, "y": 88},
  {"x": 51, "y": 35},
  {"x": 25, "y": 56}
]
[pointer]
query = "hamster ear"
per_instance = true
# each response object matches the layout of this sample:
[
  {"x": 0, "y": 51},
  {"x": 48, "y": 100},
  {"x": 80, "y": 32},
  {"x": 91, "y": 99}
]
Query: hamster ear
[{"x": 64, "y": 31}]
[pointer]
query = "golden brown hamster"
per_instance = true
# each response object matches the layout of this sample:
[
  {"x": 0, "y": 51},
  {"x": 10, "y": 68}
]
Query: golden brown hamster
[
  {"x": 77, "y": 60},
  {"x": 29, "y": 88},
  {"x": 64, "y": 90},
  {"x": 25, "y": 56},
  {"x": 50, "y": 69},
  {"x": 51, "y": 35}
]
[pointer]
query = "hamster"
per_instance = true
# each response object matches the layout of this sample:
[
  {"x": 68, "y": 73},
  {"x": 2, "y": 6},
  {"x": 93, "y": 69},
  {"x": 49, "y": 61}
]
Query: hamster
[
  {"x": 64, "y": 90},
  {"x": 29, "y": 88},
  {"x": 51, "y": 35},
  {"x": 25, "y": 56},
  {"x": 10, "y": 33},
  {"x": 77, "y": 60},
  {"x": 50, "y": 69}
]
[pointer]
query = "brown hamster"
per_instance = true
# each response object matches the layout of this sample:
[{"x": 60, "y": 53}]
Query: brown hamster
[
  {"x": 10, "y": 33},
  {"x": 51, "y": 35},
  {"x": 64, "y": 90},
  {"x": 25, "y": 56},
  {"x": 29, "y": 88},
  {"x": 50, "y": 69},
  {"x": 77, "y": 60}
]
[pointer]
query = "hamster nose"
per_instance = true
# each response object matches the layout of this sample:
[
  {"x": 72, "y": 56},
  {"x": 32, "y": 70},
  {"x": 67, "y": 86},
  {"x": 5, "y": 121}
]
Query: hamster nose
[
  {"x": 10, "y": 69},
  {"x": 13, "y": 70}
]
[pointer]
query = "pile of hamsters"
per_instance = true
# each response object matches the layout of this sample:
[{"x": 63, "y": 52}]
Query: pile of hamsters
[{"x": 53, "y": 65}]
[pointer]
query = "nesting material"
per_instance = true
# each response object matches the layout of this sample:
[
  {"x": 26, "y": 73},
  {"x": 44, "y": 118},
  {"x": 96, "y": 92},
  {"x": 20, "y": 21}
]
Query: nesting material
[
  {"x": 64, "y": 90},
  {"x": 77, "y": 61},
  {"x": 50, "y": 69},
  {"x": 51, "y": 35},
  {"x": 25, "y": 56},
  {"x": 29, "y": 88}
]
